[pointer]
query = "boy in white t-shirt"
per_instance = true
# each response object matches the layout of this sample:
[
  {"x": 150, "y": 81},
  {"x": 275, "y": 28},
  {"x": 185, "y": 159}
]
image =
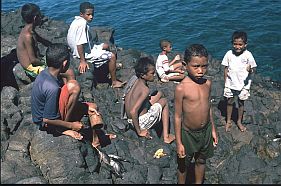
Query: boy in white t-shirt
[
  {"x": 239, "y": 65},
  {"x": 168, "y": 71},
  {"x": 79, "y": 41}
]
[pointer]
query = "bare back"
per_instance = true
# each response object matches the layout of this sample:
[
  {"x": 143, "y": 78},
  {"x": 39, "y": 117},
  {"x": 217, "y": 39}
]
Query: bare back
[
  {"x": 136, "y": 98},
  {"x": 27, "y": 47},
  {"x": 192, "y": 100}
]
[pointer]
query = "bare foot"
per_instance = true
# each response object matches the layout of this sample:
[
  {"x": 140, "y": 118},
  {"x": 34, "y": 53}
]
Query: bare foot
[
  {"x": 228, "y": 125},
  {"x": 118, "y": 84},
  {"x": 241, "y": 127},
  {"x": 111, "y": 136},
  {"x": 73, "y": 134},
  {"x": 95, "y": 144},
  {"x": 119, "y": 66},
  {"x": 96, "y": 141},
  {"x": 169, "y": 139}
]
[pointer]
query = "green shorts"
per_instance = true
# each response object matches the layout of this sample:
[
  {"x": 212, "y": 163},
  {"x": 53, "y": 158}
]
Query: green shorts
[
  {"x": 33, "y": 71},
  {"x": 199, "y": 142}
]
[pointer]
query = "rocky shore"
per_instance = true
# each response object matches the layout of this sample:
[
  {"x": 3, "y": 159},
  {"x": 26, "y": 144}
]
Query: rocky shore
[{"x": 30, "y": 156}]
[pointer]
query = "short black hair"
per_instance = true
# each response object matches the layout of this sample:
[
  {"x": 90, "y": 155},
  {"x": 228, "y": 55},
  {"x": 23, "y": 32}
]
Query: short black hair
[
  {"x": 29, "y": 11},
  {"x": 56, "y": 54},
  {"x": 195, "y": 50},
  {"x": 142, "y": 65},
  {"x": 239, "y": 34},
  {"x": 164, "y": 43},
  {"x": 86, "y": 5}
]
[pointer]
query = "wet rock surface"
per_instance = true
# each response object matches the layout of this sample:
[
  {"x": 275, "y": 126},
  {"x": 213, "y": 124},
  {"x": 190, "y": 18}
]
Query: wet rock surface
[{"x": 30, "y": 156}]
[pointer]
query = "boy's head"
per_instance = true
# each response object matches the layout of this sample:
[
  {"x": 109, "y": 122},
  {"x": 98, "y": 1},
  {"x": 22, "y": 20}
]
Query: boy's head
[
  {"x": 196, "y": 61},
  {"x": 239, "y": 42},
  {"x": 58, "y": 56},
  {"x": 31, "y": 13},
  {"x": 165, "y": 45},
  {"x": 87, "y": 11},
  {"x": 145, "y": 68}
]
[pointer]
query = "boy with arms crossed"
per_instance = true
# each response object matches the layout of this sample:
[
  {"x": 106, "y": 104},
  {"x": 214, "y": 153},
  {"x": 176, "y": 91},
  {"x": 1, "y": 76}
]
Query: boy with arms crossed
[{"x": 194, "y": 126}]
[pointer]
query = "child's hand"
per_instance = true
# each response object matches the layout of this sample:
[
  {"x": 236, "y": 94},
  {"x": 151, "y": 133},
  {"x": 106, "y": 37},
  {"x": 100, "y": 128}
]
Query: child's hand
[
  {"x": 76, "y": 126},
  {"x": 177, "y": 57},
  {"x": 248, "y": 68},
  {"x": 181, "y": 151}
]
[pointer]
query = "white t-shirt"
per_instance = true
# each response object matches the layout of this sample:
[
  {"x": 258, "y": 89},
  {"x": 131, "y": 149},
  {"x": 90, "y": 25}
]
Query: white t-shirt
[
  {"x": 78, "y": 34},
  {"x": 237, "y": 69},
  {"x": 162, "y": 64}
]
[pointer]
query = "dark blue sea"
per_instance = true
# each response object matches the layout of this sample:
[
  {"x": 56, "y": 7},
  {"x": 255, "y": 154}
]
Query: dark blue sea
[{"x": 141, "y": 24}]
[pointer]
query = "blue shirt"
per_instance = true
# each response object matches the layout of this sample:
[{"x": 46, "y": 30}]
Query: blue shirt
[{"x": 45, "y": 97}]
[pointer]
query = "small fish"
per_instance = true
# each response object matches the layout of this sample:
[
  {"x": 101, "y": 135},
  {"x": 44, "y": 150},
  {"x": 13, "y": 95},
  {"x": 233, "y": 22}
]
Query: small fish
[{"x": 113, "y": 162}]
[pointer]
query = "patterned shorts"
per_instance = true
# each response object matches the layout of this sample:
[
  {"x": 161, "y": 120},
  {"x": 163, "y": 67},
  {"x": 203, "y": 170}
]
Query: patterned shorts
[{"x": 153, "y": 116}]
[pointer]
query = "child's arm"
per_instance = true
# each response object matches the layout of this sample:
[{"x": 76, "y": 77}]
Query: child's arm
[
  {"x": 29, "y": 43},
  {"x": 214, "y": 132},
  {"x": 177, "y": 57},
  {"x": 225, "y": 72},
  {"x": 178, "y": 120},
  {"x": 251, "y": 70},
  {"x": 134, "y": 112},
  {"x": 76, "y": 126},
  {"x": 45, "y": 42}
]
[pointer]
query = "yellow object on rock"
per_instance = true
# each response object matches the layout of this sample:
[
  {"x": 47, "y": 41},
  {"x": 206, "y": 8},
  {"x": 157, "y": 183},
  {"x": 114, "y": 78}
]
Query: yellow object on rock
[{"x": 159, "y": 153}]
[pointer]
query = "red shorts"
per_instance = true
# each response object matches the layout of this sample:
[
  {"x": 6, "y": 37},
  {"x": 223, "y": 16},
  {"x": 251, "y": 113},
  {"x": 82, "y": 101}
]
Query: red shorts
[{"x": 80, "y": 109}]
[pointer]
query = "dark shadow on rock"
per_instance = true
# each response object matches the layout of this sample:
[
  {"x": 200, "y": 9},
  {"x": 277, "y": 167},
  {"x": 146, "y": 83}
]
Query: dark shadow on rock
[
  {"x": 101, "y": 75},
  {"x": 7, "y": 64},
  {"x": 222, "y": 106},
  {"x": 158, "y": 129}
]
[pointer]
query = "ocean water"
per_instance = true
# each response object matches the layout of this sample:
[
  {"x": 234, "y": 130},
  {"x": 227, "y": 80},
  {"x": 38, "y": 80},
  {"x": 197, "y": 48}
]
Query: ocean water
[{"x": 141, "y": 24}]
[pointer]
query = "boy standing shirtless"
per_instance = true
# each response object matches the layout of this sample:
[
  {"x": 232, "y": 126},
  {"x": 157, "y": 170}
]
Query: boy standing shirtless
[{"x": 194, "y": 126}]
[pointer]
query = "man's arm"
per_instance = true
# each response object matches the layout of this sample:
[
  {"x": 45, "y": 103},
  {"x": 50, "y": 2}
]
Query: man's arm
[
  {"x": 76, "y": 126},
  {"x": 83, "y": 66}
]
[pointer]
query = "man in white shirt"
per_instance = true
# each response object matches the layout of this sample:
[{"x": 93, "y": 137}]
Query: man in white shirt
[{"x": 78, "y": 39}]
